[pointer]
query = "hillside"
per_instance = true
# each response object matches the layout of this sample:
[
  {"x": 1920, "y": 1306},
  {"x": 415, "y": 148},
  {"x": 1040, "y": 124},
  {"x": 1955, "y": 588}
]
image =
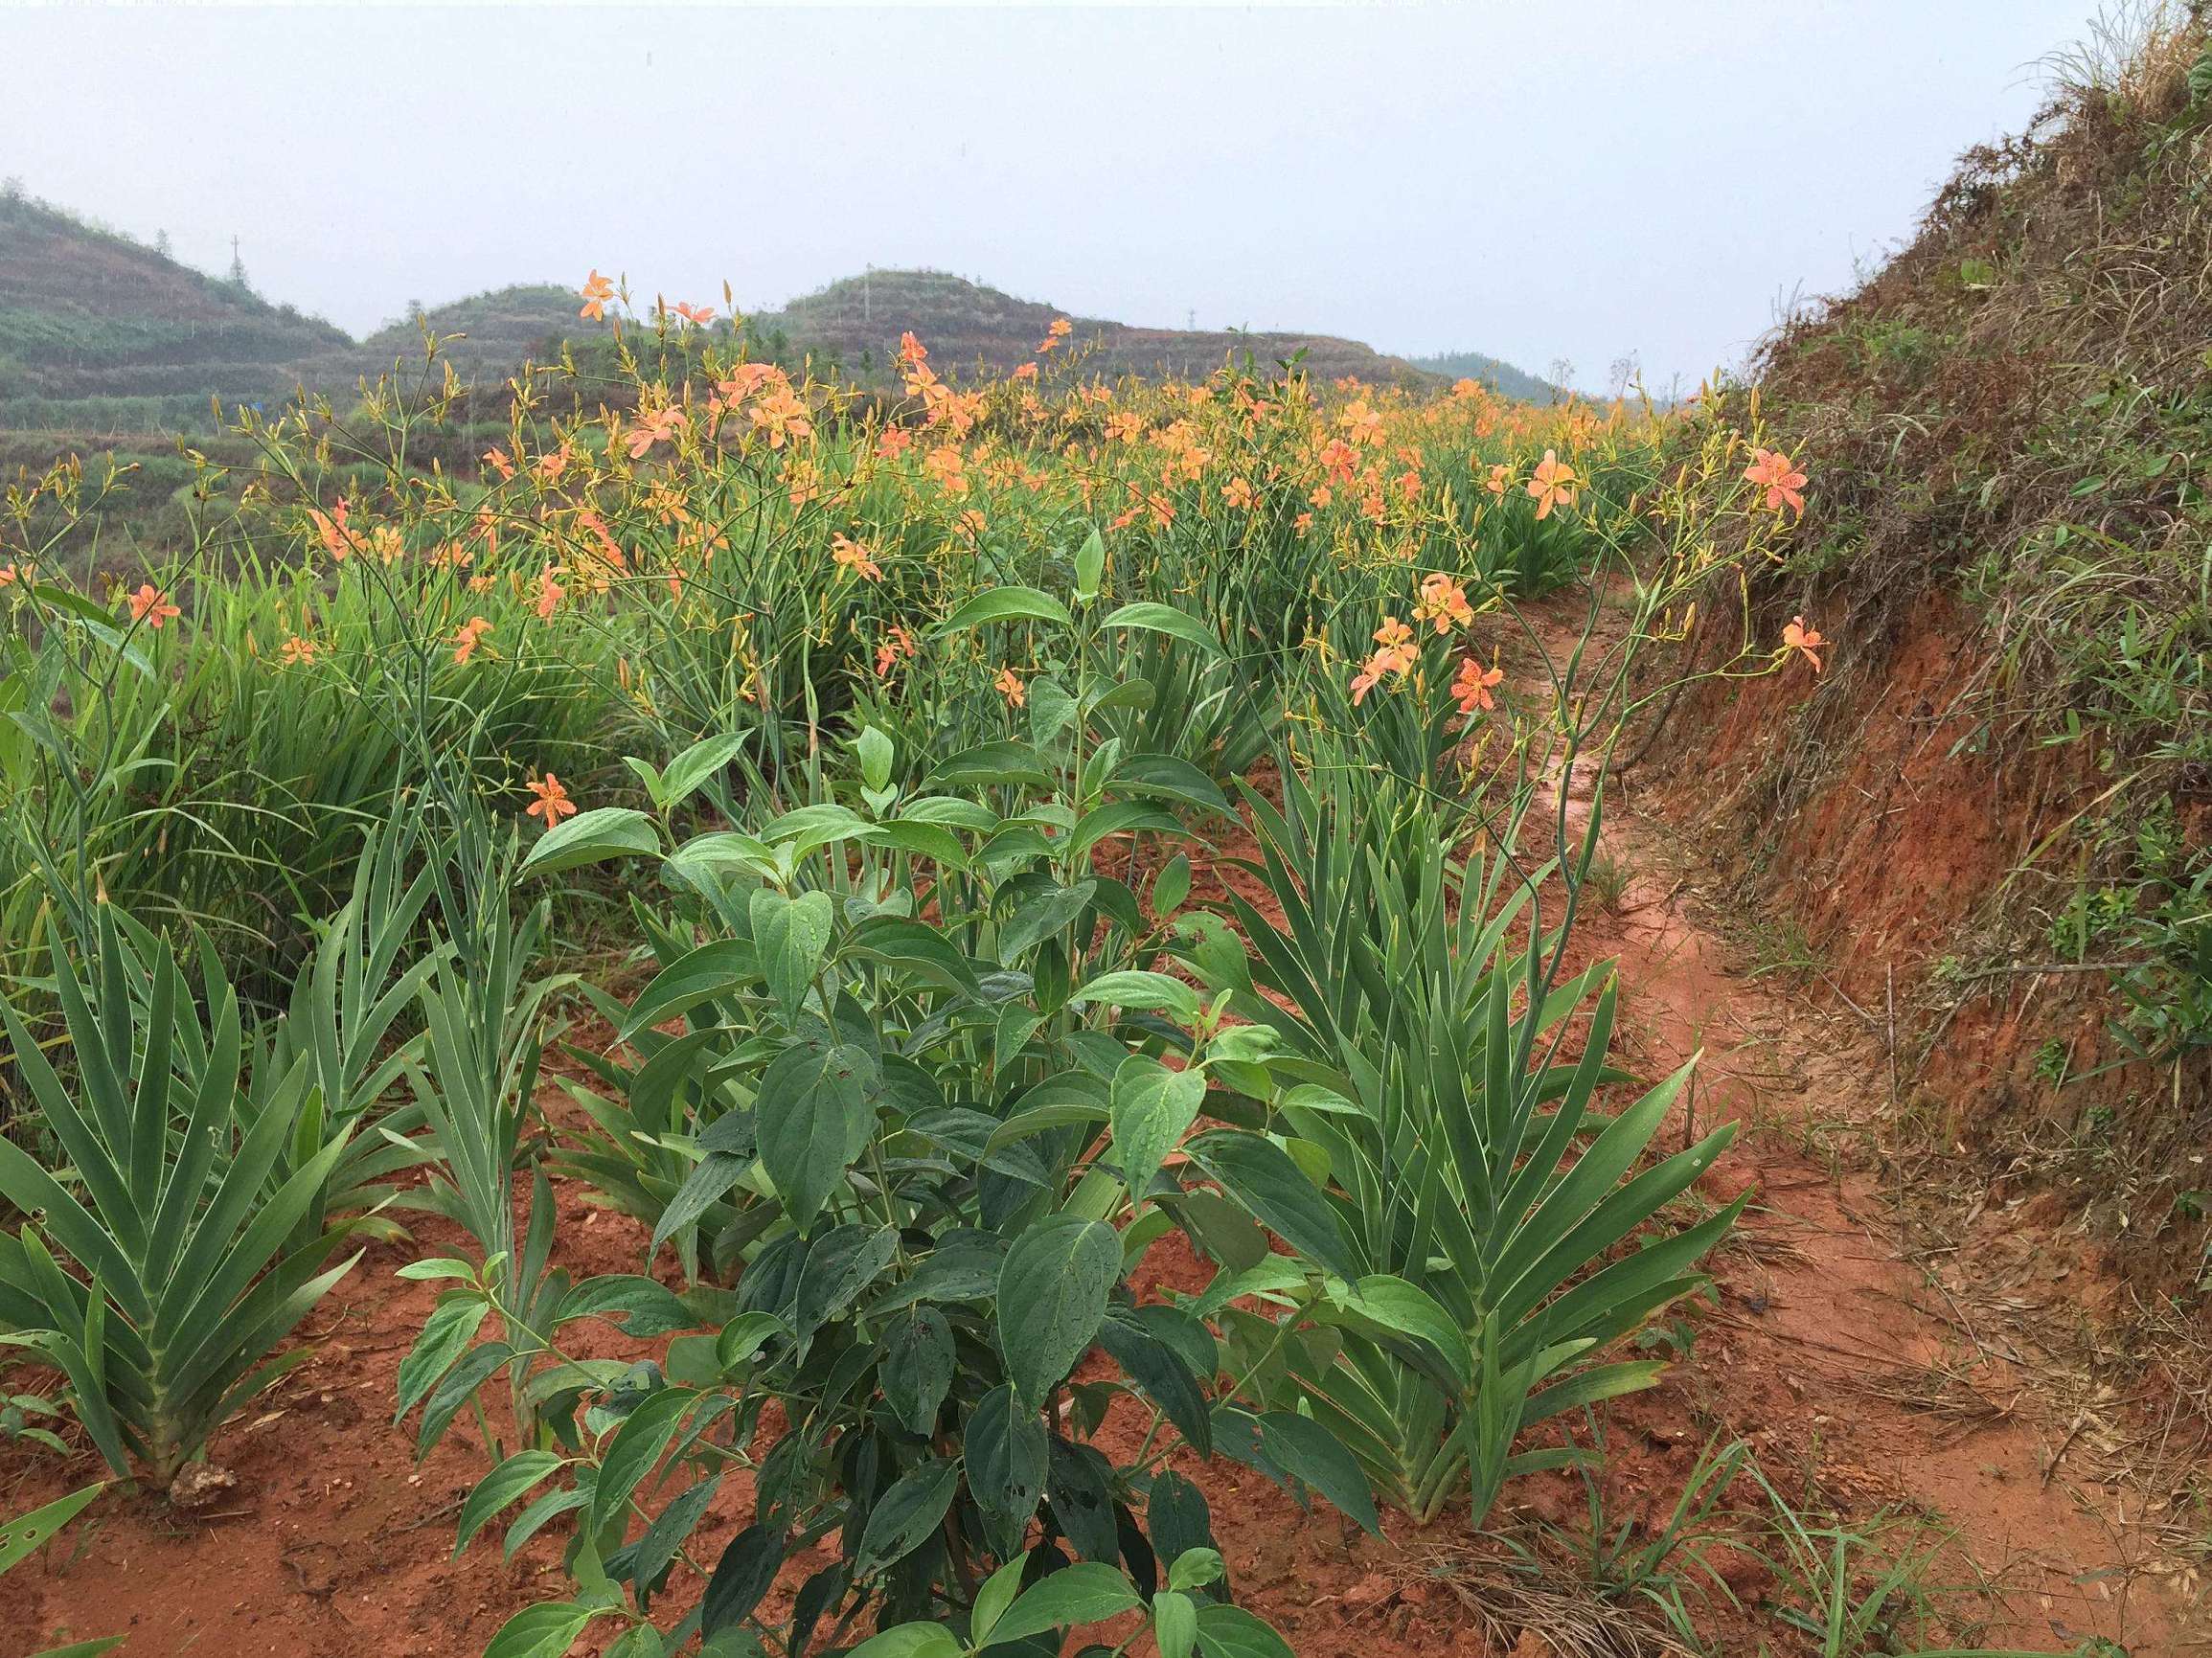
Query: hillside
[
  {"x": 1500, "y": 376},
  {"x": 858, "y": 321},
  {"x": 88, "y": 313},
  {"x": 487, "y": 334},
  {"x": 1998, "y": 802}
]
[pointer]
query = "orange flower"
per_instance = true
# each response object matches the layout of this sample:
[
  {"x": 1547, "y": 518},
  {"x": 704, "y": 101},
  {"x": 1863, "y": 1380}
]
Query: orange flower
[
  {"x": 1238, "y": 493},
  {"x": 895, "y": 442},
  {"x": 702, "y": 315},
  {"x": 1500, "y": 479},
  {"x": 597, "y": 291},
  {"x": 1796, "y": 636},
  {"x": 1362, "y": 422},
  {"x": 1443, "y": 604},
  {"x": 1010, "y": 687},
  {"x": 1553, "y": 485},
  {"x": 1339, "y": 460},
  {"x": 551, "y": 467},
  {"x": 550, "y": 594},
  {"x": 1061, "y": 329},
  {"x": 855, "y": 557},
  {"x": 469, "y": 636},
  {"x": 888, "y": 651},
  {"x": 299, "y": 652},
  {"x": 10, "y": 574},
  {"x": 1302, "y": 523},
  {"x": 912, "y": 353},
  {"x": 497, "y": 459},
  {"x": 658, "y": 426},
  {"x": 1024, "y": 372},
  {"x": 338, "y": 538},
  {"x": 782, "y": 416},
  {"x": 946, "y": 465},
  {"x": 1778, "y": 475},
  {"x": 1474, "y": 685},
  {"x": 1322, "y": 495},
  {"x": 1396, "y": 657},
  {"x": 151, "y": 605},
  {"x": 552, "y": 803}
]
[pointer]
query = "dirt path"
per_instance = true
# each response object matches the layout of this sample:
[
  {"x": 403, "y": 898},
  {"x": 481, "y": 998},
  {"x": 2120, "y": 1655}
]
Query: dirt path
[{"x": 1852, "y": 1367}]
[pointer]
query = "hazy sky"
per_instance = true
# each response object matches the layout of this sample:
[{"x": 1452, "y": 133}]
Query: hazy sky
[{"x": 1533, "y": 178}]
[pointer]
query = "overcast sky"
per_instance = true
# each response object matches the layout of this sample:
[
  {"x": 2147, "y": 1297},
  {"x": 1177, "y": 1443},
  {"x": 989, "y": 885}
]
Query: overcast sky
[{"x": 1539, "y": 179}]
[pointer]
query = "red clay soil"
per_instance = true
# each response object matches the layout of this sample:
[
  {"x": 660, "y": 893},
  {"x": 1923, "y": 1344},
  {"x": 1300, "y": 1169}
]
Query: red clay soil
[{"x": 1845, "y": 1361}]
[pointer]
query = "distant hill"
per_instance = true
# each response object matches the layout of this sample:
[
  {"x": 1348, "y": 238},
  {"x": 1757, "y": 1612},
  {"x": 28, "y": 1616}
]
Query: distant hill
[
  {"x": 485, "y": 334},
  {"x": 88, "y": 313},
  {"x": 1501, "y": 377},
  {"x": 101, "y": 335},
  {"x": 859, "y": 319}
]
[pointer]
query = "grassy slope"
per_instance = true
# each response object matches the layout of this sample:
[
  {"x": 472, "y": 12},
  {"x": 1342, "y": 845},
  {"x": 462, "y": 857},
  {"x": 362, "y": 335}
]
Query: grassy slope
[{"x": 1501, "y": 377}]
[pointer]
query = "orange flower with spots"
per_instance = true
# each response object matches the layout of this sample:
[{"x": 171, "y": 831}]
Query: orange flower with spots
[
  {"x": 1500, "y": 480},
  {"x": 655, "y": 426},
  {"x": 1475, "y": 684},
  {"x": 1443, "y": 604},
  {"x": 895, "y": 442},
  {"x": 468, "y": 637},
  {"x": 1396, "y": 657},
  {"x": 890, "y": 650},
  {"x": 597, "y": 291},
  {"x": 299, "y": 652},
  {"x": 151, "y": 605},
  {"x": 1238, "y": 494},
  {"x": 552, "y": 803},
  {"x": 1798, "y": 637},
  {"x": 1779, "y": 476},
  {"x": 1553, "y": 485},
  {"x": 550, "y": 594},
  {"x": 1008, "y": 685},
  {"x": 855, "y": 557}
]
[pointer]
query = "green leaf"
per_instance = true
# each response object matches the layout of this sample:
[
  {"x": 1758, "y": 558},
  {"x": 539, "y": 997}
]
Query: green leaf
[
  {"x": 1232, "y": 1632},
  {"x": 635, "y": 1450},
  {"x": 1171, "y": 886},
  {"x": 502, "y": 1486},
  {"x": 1086, "y": 1593},
  {"x": 1144, "y": 990},
  {"x": 1155, "y": 618},
  {"x": 1005, "y": 605},
  {"x": 904, "y": 1515},
  {"x": 1008, "y": 1456},
  {"x": 1175, "y": 1623},
  {"x": 1052, "y": 1295},
  {"x": 744, "y": 1574},
  {"x": 1400, "y": 1306},
  {"x": 791, "y": 936},
  {"x": 1090, "y": 565},
  {"x": 1196, "y": 1568},
  {"x": 1260, "y": 1176},
  {"x": 917, "y": 1367},
  {"x": 29, "y": 1533},
  {"x": 592, "y": 837},
  {"x": 543, "y": 1631},
  {"x": 744, "y": 1335},
  {"x": 909, "y": 1640},
  {"x": 1153, "y": 1108},
  {"x": 814, "y": 1122},
  {"x": 994, "y": 1598},
  {"x": 1006, "y": 765},
  {"x": 445, "y": 1335},
  {"x": 692, "y": 767},
  {"x": 876, "y": 753}
]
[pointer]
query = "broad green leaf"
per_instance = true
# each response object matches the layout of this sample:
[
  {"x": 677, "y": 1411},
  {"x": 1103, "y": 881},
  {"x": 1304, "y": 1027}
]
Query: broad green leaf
[
  {"x": 1261, "y": 1177},
  {"x": 1005, "y": 605},
  {"x": 502, "y": 1486},
  {"x": 1145, "y": 991},
  {"x": 607, "y": 832},
  {"x": 906, "y": 1514},
  {"x": 790, "y": 935},
  {"x": 1175, "y": 1623},
  {"x": 692, "y": 768},
  {"x": 748, "y": 1566},
  {"x": 1398, "y": 1305},
  {"x": 1156, "y": 617},
  {"x": 1232, "y": 1632},
  {"x": 1052, "y": 1293},
  {"x": 635, "y": 1449},
  {"x": 542, "y": 1631},
  {"x": 814, "y": 1121},
  {"x": 445, "y": 1335},
  {"x": 1153, "y": 1108},
  {"x": 1090, "y": 565},
  {"x": 1086, "y": 1593},
  {"x": 910, "y": 1641}
]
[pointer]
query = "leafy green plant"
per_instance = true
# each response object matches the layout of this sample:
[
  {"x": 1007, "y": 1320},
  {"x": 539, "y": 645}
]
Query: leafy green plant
[
  {"x": 1488, "y": 1201},
  {"x": 940, "y": 1092},
  {"x": 190, "y": 1268}
]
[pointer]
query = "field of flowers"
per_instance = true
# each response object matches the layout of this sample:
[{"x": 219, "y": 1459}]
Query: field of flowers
[{"x": 848, "y": 778}]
